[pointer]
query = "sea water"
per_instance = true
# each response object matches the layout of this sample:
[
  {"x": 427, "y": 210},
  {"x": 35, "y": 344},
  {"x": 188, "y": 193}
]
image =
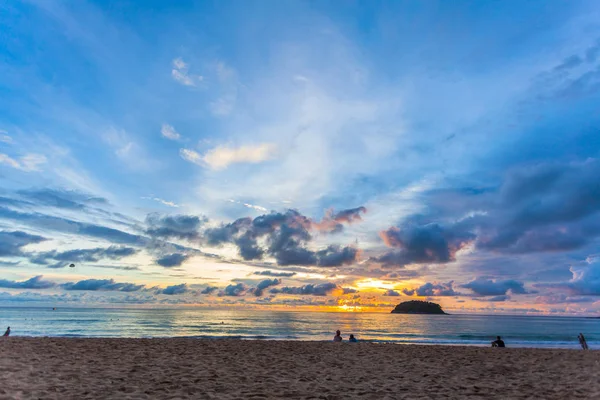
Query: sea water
[{"x": 479, "y": 330}]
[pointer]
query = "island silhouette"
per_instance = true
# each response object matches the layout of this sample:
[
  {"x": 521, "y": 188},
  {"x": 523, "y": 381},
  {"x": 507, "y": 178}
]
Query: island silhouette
[{"x": 418, "y": 307}]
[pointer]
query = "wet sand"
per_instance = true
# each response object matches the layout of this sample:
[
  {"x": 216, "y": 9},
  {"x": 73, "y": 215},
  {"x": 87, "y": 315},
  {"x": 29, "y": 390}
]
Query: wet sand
[{"x": 67, "y": 368}]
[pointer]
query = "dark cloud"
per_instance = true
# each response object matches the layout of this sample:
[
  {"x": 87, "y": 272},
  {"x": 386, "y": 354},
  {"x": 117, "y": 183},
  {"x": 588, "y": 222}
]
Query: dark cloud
[
  {"x": 262, "y": 285},
  {"x": 175, "y": 289},
  {"x": 312, "y": 289},
  {"x": 209, "y": 290},
  {"x": 37, "y": 282},
  {"x": 102, "y": 285},
  {"x": 350, "y": 215},
  {"x": 286, "y": 236},
  {"x": 83, "y": 255},
  {"x": 12, "y": 242},
  {"x": 544, "y": 208},
  {"x": 409, "y": 292},
  {"x": 275, "y": 273},
  {"x": 335, "y": 256},
  {"x": 234, "y": 290},
  {"x": 348, "y": 290},
  {"x": 174, "y": 226},
  {"x": 172, "y": 260},
  {"x": 585, "y": 280},
  {"x": 430, "y": 243},
  {"x": 334, "y": 222},
  {"x": 58, "y": 198},
  {"x": 489, "y": 287},
  {"x": 435, "y": 289},
  {"x": 391, "y": 292}
]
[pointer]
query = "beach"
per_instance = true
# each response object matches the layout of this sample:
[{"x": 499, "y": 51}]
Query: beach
[{"x": 90, "y": 368}]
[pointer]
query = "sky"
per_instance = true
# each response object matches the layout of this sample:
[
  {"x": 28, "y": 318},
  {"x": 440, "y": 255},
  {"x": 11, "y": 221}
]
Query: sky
[{"x": 330, "y": 155}]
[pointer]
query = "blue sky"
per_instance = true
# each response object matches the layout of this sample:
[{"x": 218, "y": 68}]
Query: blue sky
[{"x": 301, "y": 154}]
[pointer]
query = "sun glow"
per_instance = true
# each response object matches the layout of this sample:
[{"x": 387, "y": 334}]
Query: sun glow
[
  {"x": 348, "y": 308},
  {"x": 375, "y": 284}
]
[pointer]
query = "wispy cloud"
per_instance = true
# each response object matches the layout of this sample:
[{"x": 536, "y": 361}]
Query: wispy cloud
[
  {"x": 222, "y": 157},
  {"x": 163, "y": 201},
  {"x": 27, "y": 163},
  {"x": 169, "y": 132},
  {"x": 180, "y": 73},
  {"x": 191, "y": 156},
  {"x": 4, "y": 138}
]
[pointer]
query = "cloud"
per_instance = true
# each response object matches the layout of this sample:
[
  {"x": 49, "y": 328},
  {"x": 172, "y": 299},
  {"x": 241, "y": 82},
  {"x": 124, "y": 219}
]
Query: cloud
[
  {"x": 169, "y": 132},
  {"x": 286, "y": 237},
  {"x": 429, "y": 243},
  {"x": 236, "y": 290},
  {"x": 27, "y": 163},
  {"x": 262, "y": 285},
  {"x": 391, "y": 292},
  {"x": 191, "y": 156},
  {"x": 222, "y": 157},
  {"x": 68, "y": 226},
  {"x": 543, "y": 208},
  {"x": 83, "y": 255},
  {"x": 172, "y": 260},
  {"x": 174, "y": 226},
  {"x": 11, "y": 243},
  {"x": 67, "y": 199},
  {"x": 4, "y": 138},
  {"x": 436, "y": 289},
  {"x": 209, "y": 290},
  {"x": 585, "y": 280},
  {"x": 275, "y": 273},
  {"x": 163, "y": 202},
  {"x": 175, "y": 289},
  {"x": 333, "y": 222},
  {"x": 335, "y": 256},
  {"x": 500, "y": 298},
  {"x": 489, "y": 287},
  {"x": 37, "y": 282},
  {"x": 102, "y": 285},
  {"x": 180, "y": 73},
  {"x": 322, "y": 289}
]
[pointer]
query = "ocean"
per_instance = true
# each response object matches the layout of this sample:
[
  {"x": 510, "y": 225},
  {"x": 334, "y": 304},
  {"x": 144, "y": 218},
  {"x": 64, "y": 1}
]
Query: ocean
[{"x": 476, "y": 330}]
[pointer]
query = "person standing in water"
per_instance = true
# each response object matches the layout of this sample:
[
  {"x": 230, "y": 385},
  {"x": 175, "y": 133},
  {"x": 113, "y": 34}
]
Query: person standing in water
[
  {"x": 582, "y": 341},
  {"x": 352, "y": 339},
  {"x": 337, "y": 337},
  {"x": 7, "y": 333}
]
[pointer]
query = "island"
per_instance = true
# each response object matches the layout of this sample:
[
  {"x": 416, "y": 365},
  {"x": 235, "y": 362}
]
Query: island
[{"x": 418, "y": 307}]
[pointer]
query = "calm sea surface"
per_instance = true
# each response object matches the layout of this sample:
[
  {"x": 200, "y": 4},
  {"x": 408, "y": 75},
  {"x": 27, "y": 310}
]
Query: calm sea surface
[{"x": 517, "y": 331}]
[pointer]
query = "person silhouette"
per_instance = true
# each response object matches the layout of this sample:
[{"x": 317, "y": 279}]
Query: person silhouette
[
  {"x": 498, "y": 342},
  {"x": 582, "y": 341},
  {"x": 337, "y": 337},
  {"x": 352, "y": 339},
  {"x": 7, "y": 333}
]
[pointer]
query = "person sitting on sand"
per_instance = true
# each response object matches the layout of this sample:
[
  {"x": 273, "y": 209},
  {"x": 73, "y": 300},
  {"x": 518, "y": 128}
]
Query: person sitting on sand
[
  {"x": 7, "y": 331},
  {"x": 498, "y": 342},
  {"x": 337, "y": 337},
  {"x": 352, "y": 339}
]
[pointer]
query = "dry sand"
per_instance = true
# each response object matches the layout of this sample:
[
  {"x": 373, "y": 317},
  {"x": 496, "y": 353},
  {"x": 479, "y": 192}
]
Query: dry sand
[{"x": 62, "y": 368}]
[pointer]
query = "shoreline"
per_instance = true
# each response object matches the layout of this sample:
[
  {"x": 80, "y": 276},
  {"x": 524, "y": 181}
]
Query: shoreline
[
  {"x": 90, "y": 368},
  {"x": 515, "y": 345}
]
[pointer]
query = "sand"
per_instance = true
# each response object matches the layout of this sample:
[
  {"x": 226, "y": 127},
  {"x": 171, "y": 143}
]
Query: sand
[{"x": 66, "y": 368}]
